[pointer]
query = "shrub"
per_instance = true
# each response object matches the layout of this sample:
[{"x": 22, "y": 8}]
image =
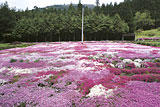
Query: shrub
[
  {"x": 13, "y": 60},
  {"x": 15, "y": 43},
  {"x": 21, "y": 60},
  {"x": 8, "y": 37},
  {"x": 158, "y": 29},
  {"x": 139, "y": 31},
  {"x": 150, "y": 34}
]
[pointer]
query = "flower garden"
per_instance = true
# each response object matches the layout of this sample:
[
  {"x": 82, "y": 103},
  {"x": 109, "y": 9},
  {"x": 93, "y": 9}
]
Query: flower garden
[
  {"x": 72, "y": 74},
  {"x": 154, "y": 38}
]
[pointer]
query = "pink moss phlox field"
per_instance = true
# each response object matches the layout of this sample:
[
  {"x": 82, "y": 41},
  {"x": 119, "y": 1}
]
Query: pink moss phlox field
[
  {"x": 75, "y": 74},
  {"x": 154, "y": 38}
]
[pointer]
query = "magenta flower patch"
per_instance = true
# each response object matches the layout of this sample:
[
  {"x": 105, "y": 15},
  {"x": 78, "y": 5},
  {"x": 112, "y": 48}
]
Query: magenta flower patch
[{"x": 72, "y": 74}]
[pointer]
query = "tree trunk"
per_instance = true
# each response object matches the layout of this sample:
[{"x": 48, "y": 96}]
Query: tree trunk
[
  {"x": 51, "y": 37},
  {"x": 74, "y": 36},
  {"x": 59, "y": 38}
]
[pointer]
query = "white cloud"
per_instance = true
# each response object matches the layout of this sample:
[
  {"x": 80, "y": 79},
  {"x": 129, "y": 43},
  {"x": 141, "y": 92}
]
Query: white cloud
[{"x": 23, "y": 4}]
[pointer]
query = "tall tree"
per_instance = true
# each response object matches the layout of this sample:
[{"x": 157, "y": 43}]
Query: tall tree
[
  {"x": 7, "y": 19},
  {"x": 97, "y": 8},
  {"x": 143, "y": 20},
  {"x": 97, "y": 3}
]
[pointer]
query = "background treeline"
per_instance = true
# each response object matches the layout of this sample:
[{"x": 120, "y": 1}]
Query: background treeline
[{"x": 106, "y": 22}]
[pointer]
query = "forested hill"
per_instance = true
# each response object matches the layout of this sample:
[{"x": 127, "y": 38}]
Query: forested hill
[
  {"x": 104, "y": 22},
  {"x": 67, "y": 6}
]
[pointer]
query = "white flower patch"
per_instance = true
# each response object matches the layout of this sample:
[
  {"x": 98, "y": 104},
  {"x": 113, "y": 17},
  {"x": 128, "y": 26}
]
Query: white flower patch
[
  {"x": 55, "y": 52},
  {"x": 2, "y": 69},
  {"x": 120, "y": 65},
  {"x": 147, "y": 60},
  {"x": 2, "y": 81},
  {"x": 97, "y": 90},
  {"x": 33, "y": 56},
  {"x": 86, "y": 69},
  {"x": 50, "y": 68},
  {"x": 61, "y": 51},
  {"x": 90, "y": 55},
  {"x": 138, "y": 60},
  {"x": 10, "y": 57},
  {"x": 81, "y": 62},
  {"x": 79, "y": 56},
  {"x": 65, "y": 51},
  {"x": 97, "y": 63},
  {"x": 74, "y": 56},
  {"x": 64, "y": 60},
  {"x": 70, "y": 67},
  {"x": 95, "y": 57},
  {"x": 80, "y": 65},
  {"x": 109, "y": 92},
  {"x": 112, "y": 65},
  {"x": 25, "y": 53},
  {"x": 137, "y": 64},
  {"x": 127, "y": 61},
  {"x": 72, "y": 45},
  {"x": 112, "y": 54},
  {"x": 45, "y": 77},
  {"x": 94, "y": 47},
  {"x": 20, "y": 71},
  {"x": 66, "y": 55},
  {"x": 100, "y": 90}
]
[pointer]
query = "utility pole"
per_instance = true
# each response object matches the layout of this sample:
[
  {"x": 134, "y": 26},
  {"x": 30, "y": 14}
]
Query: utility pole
[{"x": 82, "y": 23}]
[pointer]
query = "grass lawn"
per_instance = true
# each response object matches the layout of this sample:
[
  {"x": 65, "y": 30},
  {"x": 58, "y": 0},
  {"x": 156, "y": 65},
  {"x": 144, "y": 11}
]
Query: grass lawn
[
  {"x": 157, "y": 44},
  {"x": 148, "y": 34},
  {"x": 9, "y": 45}
]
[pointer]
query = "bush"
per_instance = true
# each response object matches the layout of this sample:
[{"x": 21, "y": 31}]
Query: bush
[
  {"x": 150, "y": 34},
  {"x": 15, "y": 43},
  {"x": 8, "y": 37},
  {"x": 143, "y": 20},
  {"x": 148, "y": 44},
  {"x": 13, "y": 60},
  {"x": 139, "y": 31},
  {"x": 158, "y": 29}
]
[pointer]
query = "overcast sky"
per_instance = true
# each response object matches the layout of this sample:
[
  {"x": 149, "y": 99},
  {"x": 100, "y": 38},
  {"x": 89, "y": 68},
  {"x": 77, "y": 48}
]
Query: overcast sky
[{"x": 23, "y": 4}]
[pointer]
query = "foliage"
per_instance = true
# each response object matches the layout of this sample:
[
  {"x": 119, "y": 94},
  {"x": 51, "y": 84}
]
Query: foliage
[
  {"x": 8, "y": 45},
  {"x": 149, "y": 43},
  {"x": 13, "y": 60},
  {"x": 158, "y": 29},
  {"x": 119, "y": 25},
  {"x": 7, "y": 19},
  {"x": 143, "y": 20},
  {"x": 101, "y": 23},
  {"x": 148, "y": 33},
  {"x": 67, "y": 26}
]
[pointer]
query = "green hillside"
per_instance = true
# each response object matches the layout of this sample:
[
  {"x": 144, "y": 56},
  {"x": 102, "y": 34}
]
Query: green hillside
[
  {"x": 148, "y": 33},
  {"x": 91, "y": 6}
]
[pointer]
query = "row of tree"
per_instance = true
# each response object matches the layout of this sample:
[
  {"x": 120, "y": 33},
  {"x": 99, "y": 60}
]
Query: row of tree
[
  {"x": 148, "y": 9},
  {"x": 101, "y": 23}
]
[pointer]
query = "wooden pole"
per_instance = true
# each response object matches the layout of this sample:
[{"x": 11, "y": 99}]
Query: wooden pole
[{"x": 82, "y": 23}]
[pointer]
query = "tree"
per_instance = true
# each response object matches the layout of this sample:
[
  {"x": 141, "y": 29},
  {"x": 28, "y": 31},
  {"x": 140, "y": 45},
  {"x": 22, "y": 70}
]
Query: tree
[
  {"x": 143, "y": 20},
  {"x": 119, "y": 26},
  {"x": 7, "y": 19},
  {"x": 97, "y": 8},
  {"x": 105, "y": 22},
  {"x": 97, "y": 3},
  {"x": 80, "y": 6},
  {"x": 103, "y": 8}
]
